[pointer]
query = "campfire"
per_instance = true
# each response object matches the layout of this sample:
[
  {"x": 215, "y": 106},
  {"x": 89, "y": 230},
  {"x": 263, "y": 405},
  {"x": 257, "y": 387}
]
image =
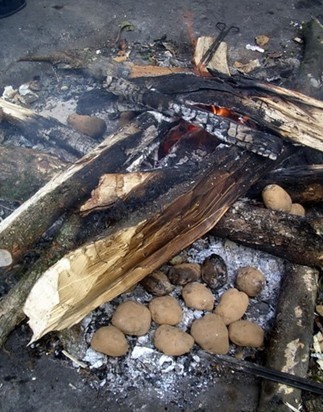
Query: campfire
[{"x": 177, "y": 170}]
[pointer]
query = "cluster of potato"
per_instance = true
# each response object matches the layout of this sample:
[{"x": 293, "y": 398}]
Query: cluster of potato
[
  {"x": 276, "y": 198},
  {"x": 213, "y": 332}
]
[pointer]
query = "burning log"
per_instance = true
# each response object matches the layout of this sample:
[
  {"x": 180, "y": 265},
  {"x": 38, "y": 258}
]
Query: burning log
[
  {"x": 142, "y": 242},
  {"x": 278, "y": 233}
]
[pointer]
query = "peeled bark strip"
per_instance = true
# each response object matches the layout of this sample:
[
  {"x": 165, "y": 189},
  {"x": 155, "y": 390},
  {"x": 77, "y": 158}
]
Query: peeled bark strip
[
  {"x": 101, "y": 270},
  {"x": 23, "y": 171},
  {"x": 46, "y": 129},
  {"x": 27, "y": 223},
  {"x": 291, "y": 339},
  {"x": 278, "y": 233}
]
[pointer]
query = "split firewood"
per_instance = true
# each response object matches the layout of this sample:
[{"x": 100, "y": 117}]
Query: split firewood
[
  {"x": 141, "y": 243},
  {"x": 277, "y": 233},
  {"x": 38, "y": 128},
  {"x": 26, "y": 224},
  {"x": 23, "y": 171},
  {"x": 11, "y": 305},
  {"x": 291, "y": 337}
]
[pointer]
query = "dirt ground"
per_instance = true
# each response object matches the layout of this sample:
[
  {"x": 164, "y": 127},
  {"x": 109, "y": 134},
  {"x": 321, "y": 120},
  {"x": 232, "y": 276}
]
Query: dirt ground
[{"x": 47, "y": 383}]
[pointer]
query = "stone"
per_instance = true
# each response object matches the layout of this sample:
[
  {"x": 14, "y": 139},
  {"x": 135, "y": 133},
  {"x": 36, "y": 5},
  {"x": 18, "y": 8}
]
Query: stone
[
  {"x": 232, "y": 306},
  {"x": 297, "y": 210},
  {"x": 110, "y": 341},
  {"x": 214, "y": 272},
  {"x": 246, "y": 333},
  {"x": 211, "y": 334},
  {"x": 172, "y": 341},
  {"x": 90, "y": 125},
  {"x": 184, "y": 273},
  {"x": 250, "y": 280},
  {"x": 198, "y": 296},
  {"x": 132, "y": 318},
  {"x": 276, "y": 198},
  {"x": 157, "y": 284},
  {"x": 166, "y": 310}
]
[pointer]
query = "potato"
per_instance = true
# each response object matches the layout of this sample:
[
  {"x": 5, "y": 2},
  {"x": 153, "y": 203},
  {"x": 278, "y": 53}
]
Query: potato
[
  {"x": 172, "y": 341},
  {"x": 297, "y": 210},
  {"x": 233, "y": 305},
  {"x": 157, "y": 284},
  {"x": 250, "y": 280},
  {"x": 246, "y": 333},
  {"x": 110, "y": 341},
  {"x": 165, "y": 309},
  {"x": 132, "y": 318},
  {"x": 214, "y": 271},
  {"x": 276, "y": 198},
  {"x": 211, "y": 334},
  {"x": 198, "y": 296},
  {"x": 184, "y": 273},
  {"x": 91, "y": 126}
]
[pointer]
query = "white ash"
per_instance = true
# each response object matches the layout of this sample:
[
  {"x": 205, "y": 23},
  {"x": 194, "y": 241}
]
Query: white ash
[{"x": 144, "y": 366}]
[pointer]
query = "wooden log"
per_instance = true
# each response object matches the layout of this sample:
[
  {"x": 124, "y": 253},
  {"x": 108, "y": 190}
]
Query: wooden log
[
  {"x": 48, "y": 130},
  {"x": 23, "y": 171},
  {"x": 27, "y": 223},
  {"x": 291, "y": 338},
  {"x": 141, "y": 243},
  {"x": 278, "y": 233},
  {"x": 11, "y": 305}
]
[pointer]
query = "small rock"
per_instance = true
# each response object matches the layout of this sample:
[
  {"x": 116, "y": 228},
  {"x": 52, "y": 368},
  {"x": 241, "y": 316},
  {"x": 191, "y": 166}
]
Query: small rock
[
  {"x": 276, "y": 198},
  {"x": 246, "y": 333},
  {"x": 262, "y": 40},
  {"x": 297, "y": 210},
  {"x": 157, "y": 284},
  {"x": 319, "y": 309},
  {"x": 233, "y": 305},
  {"x": 214, "y": 271},
  {"x": 165, "y": 309},
  {"x": 172, "y": 341},
  {"x": 250, "y": 280},
  {"x": 184, "y": 273},
  {"x": 211, "y": 334},
  {"x": 91, "y": 126},
  {"x": 110, "y": 341},
  {"x": 132, "y": 318},
  {"x": 198, "y": 296}
]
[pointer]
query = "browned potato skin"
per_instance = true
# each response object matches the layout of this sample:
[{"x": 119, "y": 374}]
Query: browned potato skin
[
  {"x": 250, "y": 280},
  {"x": 91, "y": 126},
  {"x": 184, "y": 273},
  {"x": 166, "y": 310},
  {"x": 172, "y": 341},
  {"x": 233, "y": 305},
  {"x": 246, "y": 333},
  {"x": 276, "y": 198},
  {"x": 211, "y": 334},
  {"x": 110, "y": 341},
  {"x": 132, "y": 318},
  {"x": 198, "y": 296}
]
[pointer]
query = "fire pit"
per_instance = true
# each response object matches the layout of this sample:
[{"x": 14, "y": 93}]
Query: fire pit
[{"x": 182, "y": 181}]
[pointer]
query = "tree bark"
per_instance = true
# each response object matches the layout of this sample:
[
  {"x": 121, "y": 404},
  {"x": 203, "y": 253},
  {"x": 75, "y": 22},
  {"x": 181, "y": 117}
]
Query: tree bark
[
  {"x": 291, "y": 338},
  {"x": 278, "y": 233}
]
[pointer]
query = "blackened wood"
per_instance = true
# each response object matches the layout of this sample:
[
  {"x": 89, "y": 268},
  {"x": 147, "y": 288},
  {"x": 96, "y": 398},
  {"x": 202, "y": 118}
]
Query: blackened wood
[
  {"x": 27, "y": 223},
  {"x": 23, "y": 171},
  {"x": 47, "y": 130},
  {"x": 287, "y": 236},
  {"x": 291, "y": 338}
]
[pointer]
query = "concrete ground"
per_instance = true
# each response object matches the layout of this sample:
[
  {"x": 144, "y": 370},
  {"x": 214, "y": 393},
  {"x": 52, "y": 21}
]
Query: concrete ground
[{"x": 44, "y": 384}]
